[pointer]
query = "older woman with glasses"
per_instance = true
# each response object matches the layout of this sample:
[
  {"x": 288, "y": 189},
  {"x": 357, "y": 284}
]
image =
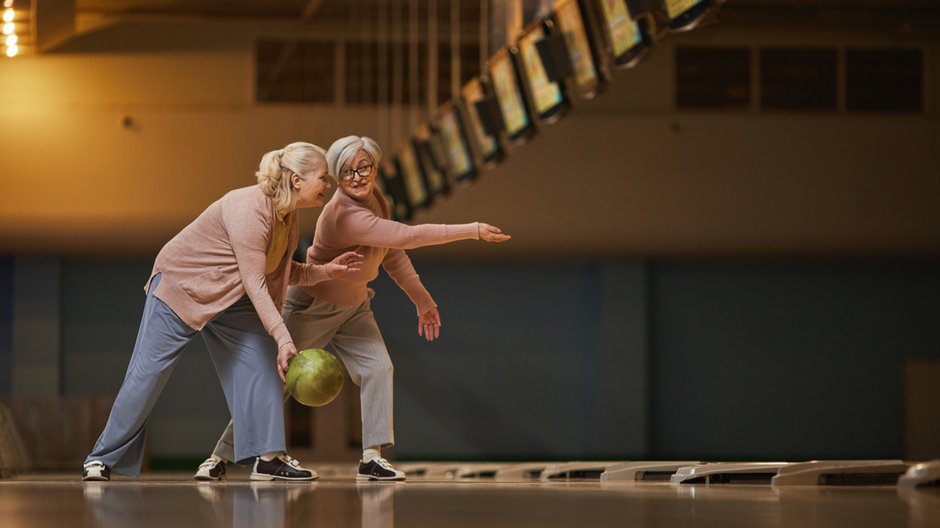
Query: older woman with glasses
[{"x": 338, "y": 312}]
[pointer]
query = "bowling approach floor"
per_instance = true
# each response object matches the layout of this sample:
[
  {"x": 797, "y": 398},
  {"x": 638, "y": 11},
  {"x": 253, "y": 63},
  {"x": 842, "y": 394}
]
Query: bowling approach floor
[{"x": 336, "y": 500}]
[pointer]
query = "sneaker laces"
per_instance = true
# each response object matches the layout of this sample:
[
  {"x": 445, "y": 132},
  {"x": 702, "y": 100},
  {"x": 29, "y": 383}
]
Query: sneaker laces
[
  {"x": 384, "y": 463},
  {"x": 290, "y": 461},
  {"x": 210, "y": 463}
]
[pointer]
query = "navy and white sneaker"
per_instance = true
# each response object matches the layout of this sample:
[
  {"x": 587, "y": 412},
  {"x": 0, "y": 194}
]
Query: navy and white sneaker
[
  {"x": 283, "y": 467},
  {"x": 378, "y": 469},
  {"x": 95, "y": 471},
  {"x": 212, "y": 469}
]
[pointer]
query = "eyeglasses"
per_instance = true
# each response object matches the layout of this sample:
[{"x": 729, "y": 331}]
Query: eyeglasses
[{"x": 363, "y": 172}]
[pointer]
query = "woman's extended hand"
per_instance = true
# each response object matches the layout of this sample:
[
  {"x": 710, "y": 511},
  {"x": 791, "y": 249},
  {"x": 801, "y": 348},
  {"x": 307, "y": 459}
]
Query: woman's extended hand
[
  {"x": 284, "y": 355},
  {"x": 490, "y": 233},
  {"x": 429, "y": 324},
  {"x": 343, "y": 264}
]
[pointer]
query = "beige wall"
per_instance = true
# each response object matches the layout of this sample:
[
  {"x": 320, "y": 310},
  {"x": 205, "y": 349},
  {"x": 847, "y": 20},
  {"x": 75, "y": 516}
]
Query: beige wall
[{"x": 621, "y": 175}]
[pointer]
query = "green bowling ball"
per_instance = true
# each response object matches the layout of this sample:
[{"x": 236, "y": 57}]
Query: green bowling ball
[{"x": 314, "y": 377}]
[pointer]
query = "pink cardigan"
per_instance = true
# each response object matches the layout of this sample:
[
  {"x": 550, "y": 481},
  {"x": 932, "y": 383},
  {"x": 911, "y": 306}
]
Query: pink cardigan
[
  {"x": 220, "y": 257},
  {"x": 347, "y": 224}
]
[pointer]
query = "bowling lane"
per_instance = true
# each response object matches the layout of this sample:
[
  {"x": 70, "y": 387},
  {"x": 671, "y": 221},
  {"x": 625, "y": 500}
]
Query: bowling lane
[{"x": 175, "y": 500}]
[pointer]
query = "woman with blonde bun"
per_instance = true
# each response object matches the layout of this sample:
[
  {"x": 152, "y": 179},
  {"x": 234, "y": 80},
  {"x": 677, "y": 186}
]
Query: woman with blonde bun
[
  {"x": 225, "y": 276},
  {"x": 339, "y": 312}
]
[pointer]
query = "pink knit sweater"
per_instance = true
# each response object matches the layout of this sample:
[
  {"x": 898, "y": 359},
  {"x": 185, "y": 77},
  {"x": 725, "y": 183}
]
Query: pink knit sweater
[
  {"x": 221, "y": 256},
  {"x": 347, "y": 224}
]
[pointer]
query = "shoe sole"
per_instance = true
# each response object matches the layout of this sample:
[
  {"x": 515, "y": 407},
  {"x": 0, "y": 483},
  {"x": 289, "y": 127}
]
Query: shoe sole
[
  {"x": 367, "y": 478},
  {"x": 207, "y": 479},
  {"x": 268, "y": 478},
  {"x": 95, "y": 479}
]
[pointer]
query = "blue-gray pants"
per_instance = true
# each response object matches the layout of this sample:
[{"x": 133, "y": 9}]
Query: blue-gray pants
[
  {"x": 244, "y": 356},
  {"x": 352, "y": 333}
]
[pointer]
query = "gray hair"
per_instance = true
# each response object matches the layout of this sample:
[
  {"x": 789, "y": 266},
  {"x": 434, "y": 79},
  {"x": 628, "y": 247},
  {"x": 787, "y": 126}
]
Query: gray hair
[
  {"x": 343, "y": 150},
  {"x": 277, "y": 166}
]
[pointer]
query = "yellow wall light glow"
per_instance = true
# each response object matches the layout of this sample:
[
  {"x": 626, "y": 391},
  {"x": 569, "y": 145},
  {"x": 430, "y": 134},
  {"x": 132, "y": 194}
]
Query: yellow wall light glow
[
  {"x": 9, "y": 15},
  {"x": 8, "y": 28},
  {"x": 12, "y": 51},
  {"x": 11, "y": 40}
]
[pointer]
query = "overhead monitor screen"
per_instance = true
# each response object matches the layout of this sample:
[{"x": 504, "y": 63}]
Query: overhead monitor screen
[
  {"x": 430, "y": 154},
  {"x": 509, "y": 95},
  {"x": 570, "y": 22},
  {"x": 674, "y": 8},
  {"x": 547, "y": 97},
  {"x": 415, "y": 186},
  {"x": 395, "y": 189},
  {"x": 488, "y": 145},
  {"x": 677, "y": 8},
  {"x": 687, "y": 14},
  {"x": 457, "y": 155},
  {"x": 624, "y": 36}
]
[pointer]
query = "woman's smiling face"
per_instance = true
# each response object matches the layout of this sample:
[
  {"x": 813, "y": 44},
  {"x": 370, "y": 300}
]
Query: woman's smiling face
[{"x": 358, "y": 176}]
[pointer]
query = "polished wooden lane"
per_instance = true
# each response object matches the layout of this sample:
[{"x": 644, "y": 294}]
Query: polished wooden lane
[{"x": 43, "y": 501}]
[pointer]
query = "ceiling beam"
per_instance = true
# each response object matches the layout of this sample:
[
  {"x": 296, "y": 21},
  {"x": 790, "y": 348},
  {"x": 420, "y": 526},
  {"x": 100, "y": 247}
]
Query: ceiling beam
[
  {"x": 310, "y": 9},
  {"x": 53, "y": 23},
  {"x": 287, "y": 54}
]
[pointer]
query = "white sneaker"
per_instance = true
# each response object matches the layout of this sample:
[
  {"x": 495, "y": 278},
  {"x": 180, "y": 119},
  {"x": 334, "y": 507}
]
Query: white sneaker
[
  {"x": 212, "y": 469},
  {"x": 95, "y": 470}
]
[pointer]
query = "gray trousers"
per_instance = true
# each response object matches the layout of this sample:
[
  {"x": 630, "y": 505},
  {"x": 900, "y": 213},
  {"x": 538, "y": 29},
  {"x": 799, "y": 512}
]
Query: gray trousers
[
  {"x": 244, "y": 356},
  {"x": 355, "y": 338}
]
